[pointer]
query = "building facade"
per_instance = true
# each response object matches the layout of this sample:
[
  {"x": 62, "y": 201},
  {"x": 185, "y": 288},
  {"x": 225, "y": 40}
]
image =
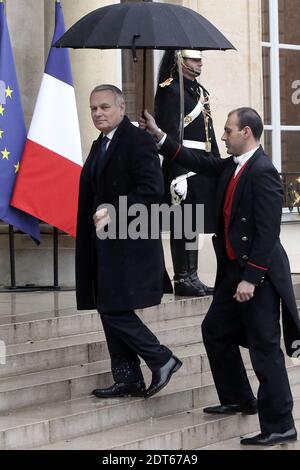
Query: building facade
[{"x": 264, "y": 73}]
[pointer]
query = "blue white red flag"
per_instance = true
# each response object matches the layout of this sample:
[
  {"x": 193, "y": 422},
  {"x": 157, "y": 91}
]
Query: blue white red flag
[
  {"x": 48, "y": 182},
  {"x": 12, "y": 136}
]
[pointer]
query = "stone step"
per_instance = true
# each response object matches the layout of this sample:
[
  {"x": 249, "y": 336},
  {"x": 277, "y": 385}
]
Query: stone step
[
  {"x": 57, "y": 374},
  {"x": 234, "y": 443},
  {"x": 41, "y": 425},
  {"x": 47, "y": 324},
  {"x": 71, "y": 382},
  {"x": 185, "y": 430},
  {"x": 77, "y": 350},
  {"x": 33, "y": 322},
  {"x": 15, "y": 305},
  {"x": 89, "y": 347},
  {"x": 50, "y": 327},
  {"x": 48, "y": 423}
]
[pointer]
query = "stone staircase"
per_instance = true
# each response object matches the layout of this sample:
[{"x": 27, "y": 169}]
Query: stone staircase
[{"x": 56, "y": 355}]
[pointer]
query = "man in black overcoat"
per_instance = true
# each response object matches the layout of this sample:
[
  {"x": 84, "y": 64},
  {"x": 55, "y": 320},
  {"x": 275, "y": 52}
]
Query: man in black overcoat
[
  {"x": 253, "y": 277},
  {"x": 200, "y": 136},
  {"x": 117, "y": 273}
]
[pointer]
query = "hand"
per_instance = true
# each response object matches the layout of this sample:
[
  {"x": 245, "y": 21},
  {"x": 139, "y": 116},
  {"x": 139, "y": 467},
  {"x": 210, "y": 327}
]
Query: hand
[
  {"x": 101, "y": 219},
  {"x": 147, "y": 122},
  {"x": 244, "y": 291},
  {"x": 178, "y": 189},
  {"x": 181, "y": 188}
]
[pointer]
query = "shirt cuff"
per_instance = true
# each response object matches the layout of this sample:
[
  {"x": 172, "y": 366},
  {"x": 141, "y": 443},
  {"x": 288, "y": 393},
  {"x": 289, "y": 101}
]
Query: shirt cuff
[{"x": 161, "y": 142}]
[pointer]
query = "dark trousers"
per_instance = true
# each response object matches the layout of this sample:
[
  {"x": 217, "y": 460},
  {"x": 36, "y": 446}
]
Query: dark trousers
[
  {"x": 256, "y": 323},
  {"x": 128, "y": 338}
]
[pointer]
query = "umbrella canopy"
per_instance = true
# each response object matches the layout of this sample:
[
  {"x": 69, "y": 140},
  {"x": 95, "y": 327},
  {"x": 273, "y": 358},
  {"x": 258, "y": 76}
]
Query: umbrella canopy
[{"x": 144, "y": 25}]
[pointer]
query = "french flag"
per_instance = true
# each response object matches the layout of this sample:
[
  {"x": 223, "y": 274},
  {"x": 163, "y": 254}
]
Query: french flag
[{"x": 47, "y": 185}]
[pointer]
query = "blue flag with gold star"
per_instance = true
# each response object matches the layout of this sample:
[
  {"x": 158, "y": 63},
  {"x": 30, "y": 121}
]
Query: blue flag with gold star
[{"x": 12, "y": 136}]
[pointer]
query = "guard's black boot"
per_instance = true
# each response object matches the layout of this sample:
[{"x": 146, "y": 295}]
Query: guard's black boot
[
  {"x": 192, "y": 263},
  {"x": 182, "y": 282},
  {"x": 183, "y": 286}
]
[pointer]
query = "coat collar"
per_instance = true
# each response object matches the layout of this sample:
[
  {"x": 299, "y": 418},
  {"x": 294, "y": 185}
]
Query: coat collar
[
  {"x": 123, "y": 126},
  {"x": 241, "y": 183},
  {"x": 227, "y": 175}
]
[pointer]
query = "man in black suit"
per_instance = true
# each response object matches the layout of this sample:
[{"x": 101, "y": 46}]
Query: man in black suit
[
  {"x": 253, "y": 275},
  {"x": 117, "y": 274},
  {"x": 200, "y": 136}
]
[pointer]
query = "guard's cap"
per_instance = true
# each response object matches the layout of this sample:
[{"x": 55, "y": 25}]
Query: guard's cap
[{"x": 191, "y": 54}]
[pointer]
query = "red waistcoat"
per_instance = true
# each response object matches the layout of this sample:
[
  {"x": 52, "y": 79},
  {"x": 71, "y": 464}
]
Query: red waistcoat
[{"x": 232, "y": 185}]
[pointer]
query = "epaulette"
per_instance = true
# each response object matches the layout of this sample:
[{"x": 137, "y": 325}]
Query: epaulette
[{"x": 166, "y": 82}]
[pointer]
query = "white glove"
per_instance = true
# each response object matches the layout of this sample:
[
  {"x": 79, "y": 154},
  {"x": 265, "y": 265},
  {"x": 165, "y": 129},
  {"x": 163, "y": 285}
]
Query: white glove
[
  {"x": 181, "y": 188},
  {"x": 178, "y": 189}
]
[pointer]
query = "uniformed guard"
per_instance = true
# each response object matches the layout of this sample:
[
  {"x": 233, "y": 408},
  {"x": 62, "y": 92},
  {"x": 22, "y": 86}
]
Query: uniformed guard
[{"x": 199, "y": 135}]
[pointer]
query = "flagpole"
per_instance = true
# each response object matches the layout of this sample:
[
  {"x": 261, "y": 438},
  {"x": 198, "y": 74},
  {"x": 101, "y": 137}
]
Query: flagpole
[{"x": 12, "y": 252}]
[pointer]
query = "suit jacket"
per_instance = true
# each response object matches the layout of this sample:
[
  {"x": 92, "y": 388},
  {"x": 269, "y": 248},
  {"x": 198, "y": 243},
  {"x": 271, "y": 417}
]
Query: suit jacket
[
  {"x": 201, "y": 189},
  {"x": 120, "y": 274},
  {"x": 254, "y": 226}
]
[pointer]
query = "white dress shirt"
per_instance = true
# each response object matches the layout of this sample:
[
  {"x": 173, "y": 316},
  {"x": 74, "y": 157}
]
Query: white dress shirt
[
  {"x": 242, "y": 159},
  {"x": 110, "y": 136}
]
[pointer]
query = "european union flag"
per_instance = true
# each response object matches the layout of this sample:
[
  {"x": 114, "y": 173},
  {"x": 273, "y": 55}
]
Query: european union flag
[{"x": 12, "y": 136}]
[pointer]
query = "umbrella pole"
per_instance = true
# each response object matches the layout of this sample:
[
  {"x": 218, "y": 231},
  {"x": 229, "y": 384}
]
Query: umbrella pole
[
  {"x": 144, "y": 79},
  {"x": 181, "y": 103}
]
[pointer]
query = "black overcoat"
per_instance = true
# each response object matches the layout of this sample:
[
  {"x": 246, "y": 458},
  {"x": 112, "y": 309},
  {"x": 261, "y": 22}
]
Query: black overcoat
[
  {"x": 254, "y": 226},
  {"x": 119, "y": 274},
  {"x": 201, "y": 189}
]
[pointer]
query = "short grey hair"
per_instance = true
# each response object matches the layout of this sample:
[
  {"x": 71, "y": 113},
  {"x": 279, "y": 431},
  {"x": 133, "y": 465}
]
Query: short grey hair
[{"x": 119, "y": 96}]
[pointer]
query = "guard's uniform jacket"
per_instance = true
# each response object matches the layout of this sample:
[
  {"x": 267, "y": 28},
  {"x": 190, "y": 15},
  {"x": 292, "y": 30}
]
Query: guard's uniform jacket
[
  {"x": 254, "y": 225},
  {"x": 201, "y": 190}
]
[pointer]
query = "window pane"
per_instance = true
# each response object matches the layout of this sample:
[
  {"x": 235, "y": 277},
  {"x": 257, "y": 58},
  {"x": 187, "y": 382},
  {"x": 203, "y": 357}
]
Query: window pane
[
  {"x": 267, "y": 142},
  {"x": 265, "y": 20},
  {"x": 289, "y": 21},
  {"x": 290, "y": 87},
  {"x": 290, "y": 147},
  {"x": 267, "y": 85}
]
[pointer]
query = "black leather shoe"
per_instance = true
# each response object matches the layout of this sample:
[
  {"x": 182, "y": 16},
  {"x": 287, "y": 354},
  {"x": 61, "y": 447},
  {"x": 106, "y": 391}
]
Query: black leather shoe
[
  {"x": 270, "y": 439},
  {"x": 121, "y": 389},
  {"x": 161, "y": 377},
  {"x": 248, "y": 408}
]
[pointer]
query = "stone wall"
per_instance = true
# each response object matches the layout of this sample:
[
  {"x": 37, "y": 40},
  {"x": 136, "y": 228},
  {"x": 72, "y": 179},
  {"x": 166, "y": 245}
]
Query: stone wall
[{"x": 234, "y": 78}]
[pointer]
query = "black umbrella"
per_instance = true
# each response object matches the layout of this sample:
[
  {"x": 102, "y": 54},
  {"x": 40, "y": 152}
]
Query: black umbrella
[{"x": 145, "y": 25}]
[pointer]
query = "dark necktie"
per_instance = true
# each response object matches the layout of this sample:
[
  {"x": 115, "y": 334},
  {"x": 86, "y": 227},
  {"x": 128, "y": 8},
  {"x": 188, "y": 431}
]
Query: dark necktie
[{"x": 100, "y": 155}]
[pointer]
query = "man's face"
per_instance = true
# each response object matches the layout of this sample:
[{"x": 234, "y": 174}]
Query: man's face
[
  {"x": 234, "y": 138},
  {"x": 106, "y": 114},
  {"x": 194, "y": 64}
]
